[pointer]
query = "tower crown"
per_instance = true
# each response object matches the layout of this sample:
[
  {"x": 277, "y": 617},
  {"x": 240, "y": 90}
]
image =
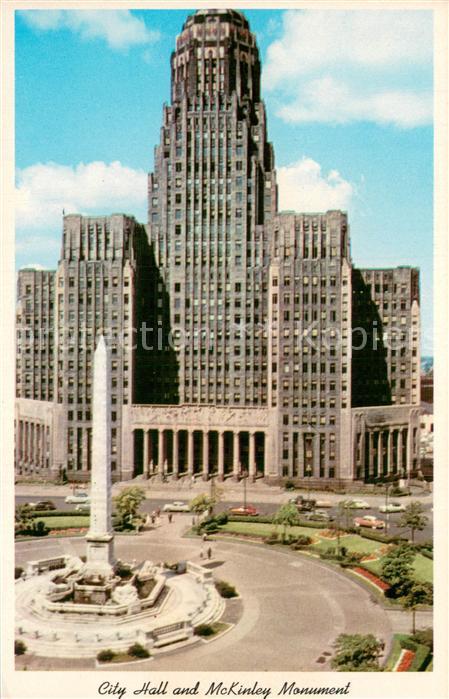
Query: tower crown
[{"x": 216, "y": 52}]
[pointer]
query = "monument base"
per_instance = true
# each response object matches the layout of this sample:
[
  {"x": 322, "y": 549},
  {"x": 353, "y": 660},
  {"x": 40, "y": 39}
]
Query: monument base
[{"x": 100, "y": 554}]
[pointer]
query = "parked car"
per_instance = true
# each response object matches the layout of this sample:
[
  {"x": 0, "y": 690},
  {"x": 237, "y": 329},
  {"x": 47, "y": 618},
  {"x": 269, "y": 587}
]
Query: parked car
[
  {"x": 303, "y": 504},
  {"x": 83, "y": 507},
  {"x": 319, "y": 517},
  {"x": 176, "y": 506},
  {"x": 356, "y": 504},
  {"x": 369, "y": 521},
  {"x": 392, "y": 507},
  {"x": 248, "y": 511},
  {"x": 43, "y": 505},
  {"x": 323, "y": 503},
  {"x": 77, "y": 498}
]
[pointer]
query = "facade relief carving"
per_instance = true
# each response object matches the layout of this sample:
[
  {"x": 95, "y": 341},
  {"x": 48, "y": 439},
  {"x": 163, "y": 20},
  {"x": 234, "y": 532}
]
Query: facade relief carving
[{"x": 213, "y": 417}]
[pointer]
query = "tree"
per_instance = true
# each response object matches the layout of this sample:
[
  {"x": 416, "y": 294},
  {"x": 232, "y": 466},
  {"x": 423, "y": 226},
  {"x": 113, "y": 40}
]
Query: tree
[
  {"x": 418, "y": 593},
  {"x": 203, "y": 502},
  {"x": 357, "y": 653},
  {"x": 23, "y": 521},
  {"x": 413, "y": 518},
  {"x": 397, "y": 568},
  {"x": 286, "y": 516},
  {"x": 127, "y": 503},
  {"x": 342, "y": 513}
]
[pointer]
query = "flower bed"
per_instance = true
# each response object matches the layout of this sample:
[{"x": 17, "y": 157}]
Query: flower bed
[
  {"x": 72, "y": 530},
  {"x": 372, "y": 578},
  {"x": 405, "y": 661}
]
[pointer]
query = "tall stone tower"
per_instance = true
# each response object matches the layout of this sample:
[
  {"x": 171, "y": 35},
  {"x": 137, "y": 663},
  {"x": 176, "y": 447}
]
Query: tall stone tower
[{"x": 211, "y": 195}]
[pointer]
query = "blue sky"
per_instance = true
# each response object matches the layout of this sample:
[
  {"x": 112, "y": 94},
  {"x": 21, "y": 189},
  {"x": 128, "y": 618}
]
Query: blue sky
[{"x": 349, "y": 103}]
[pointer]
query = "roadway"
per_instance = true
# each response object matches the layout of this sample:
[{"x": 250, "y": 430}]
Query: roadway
[{"x": 264, "y": 507}]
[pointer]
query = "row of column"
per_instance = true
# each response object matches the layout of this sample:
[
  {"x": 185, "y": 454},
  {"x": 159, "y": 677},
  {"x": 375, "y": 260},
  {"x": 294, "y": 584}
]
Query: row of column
[
  {"x": 168, "y": 459},
  {"x": 309, "y": 454},
  {"x": 31, "y": 444},
  {"x": 383, "y": 452}
]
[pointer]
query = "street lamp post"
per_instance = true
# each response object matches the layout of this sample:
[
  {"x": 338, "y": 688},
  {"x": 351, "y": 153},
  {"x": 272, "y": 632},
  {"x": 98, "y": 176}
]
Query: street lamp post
[
  {"x": 244, "y": 476},
  {"x": 387, "y": 490}
]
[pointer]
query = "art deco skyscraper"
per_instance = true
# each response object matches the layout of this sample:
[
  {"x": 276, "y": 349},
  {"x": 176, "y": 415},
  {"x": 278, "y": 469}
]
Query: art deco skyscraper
[
  {"x": 257, "y": 347},
  {"x": 212, "y": 190}
]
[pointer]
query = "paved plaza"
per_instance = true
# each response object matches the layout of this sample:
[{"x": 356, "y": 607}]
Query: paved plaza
[{"x": 291, "y": 609}]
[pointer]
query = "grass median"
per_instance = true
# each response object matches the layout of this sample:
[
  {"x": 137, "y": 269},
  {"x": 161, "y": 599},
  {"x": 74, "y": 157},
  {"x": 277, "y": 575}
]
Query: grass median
[{"x": 423, "y": 566}]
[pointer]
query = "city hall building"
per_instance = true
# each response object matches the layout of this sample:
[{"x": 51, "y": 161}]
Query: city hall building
[{"x": 243, "y": 338}]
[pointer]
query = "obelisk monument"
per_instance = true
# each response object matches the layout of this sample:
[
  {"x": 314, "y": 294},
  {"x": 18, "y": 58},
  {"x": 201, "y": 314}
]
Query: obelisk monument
[{"x": 100, "y": 537}]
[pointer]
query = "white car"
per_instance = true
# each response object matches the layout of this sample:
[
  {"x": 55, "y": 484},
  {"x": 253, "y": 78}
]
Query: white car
[
  {"x": 323, "y": 503},
  {"x": 356, "y": 505},
  {"x": 77, "y": 498},
  {"x": 392, "y": 507},
  {"x": 176, "y": 506}
]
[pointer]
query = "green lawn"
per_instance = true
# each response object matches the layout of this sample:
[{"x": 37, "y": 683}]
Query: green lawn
[
  {"x": 352, "y": 542},
  {"x": 422, "y": 566},
  {"x": 261, "y": 529},
  {"x": 66, "y": 522}
]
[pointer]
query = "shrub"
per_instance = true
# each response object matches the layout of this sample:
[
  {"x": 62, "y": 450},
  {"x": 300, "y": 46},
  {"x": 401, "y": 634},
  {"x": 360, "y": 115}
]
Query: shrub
[
  {"x": 17, "y": 572},
  {"x": 210, "y": 528},
  {"x": 313, "y": 525},
  {"x": 424, "y": 637},
  {"x": 221, "y": 519},
  {"x": 427, "y": 553},
  {"x": 204, "y": 630},
  {"x": 421, "y": 659},
  {"x": 225, "y": 589},
  {"x": 19, "y": 647},
  {"x": 352, "y": 558},
  {"x": 382, "y": 538},
  {"x": 272, "y": 539},
  {"x": 39, "y": 528},
  {"x": 123, "y": 571},
  {"x": 138, "y": 651},
  {"x": 261, "y": 519},
  {"x": 329, "y": 553},
  {"x": 289, "y": 485},
  {"x": 300, "y": 542},
  {"x": 106, "y": 655},
  {"x": 407, "y": 644}
]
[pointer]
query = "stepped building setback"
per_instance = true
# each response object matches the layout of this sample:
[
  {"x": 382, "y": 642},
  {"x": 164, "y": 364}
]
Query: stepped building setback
[{"x": 243, "y": 339}]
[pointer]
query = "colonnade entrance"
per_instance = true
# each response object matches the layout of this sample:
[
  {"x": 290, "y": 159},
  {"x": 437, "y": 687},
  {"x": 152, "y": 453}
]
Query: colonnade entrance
[
  {"x": 179, "y": 452},
  {"x": 381, "y": 453}
]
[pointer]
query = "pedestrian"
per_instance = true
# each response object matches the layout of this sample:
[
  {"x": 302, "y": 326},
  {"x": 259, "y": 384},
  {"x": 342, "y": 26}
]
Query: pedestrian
[
  {"x": 193, "y": 520},
  {"x": 170, "y": 517},
  {"x": 158, "y": 512},
  {"x": 209, "y": 553},
  {"x": 204, "y": 536},
  {"x": 153, "y": 518}
]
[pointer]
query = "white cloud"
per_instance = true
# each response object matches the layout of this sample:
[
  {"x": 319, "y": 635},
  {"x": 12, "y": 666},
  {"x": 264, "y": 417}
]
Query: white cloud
[
  {"x": 303, "y": 187},
  {"x": 35, "y": 265},
  {"x": 326, "y": 100},
  {"x": 341, "y": 66},
  {"x": 44, "y": 190},
  {"x": 119, "y": 28}
]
